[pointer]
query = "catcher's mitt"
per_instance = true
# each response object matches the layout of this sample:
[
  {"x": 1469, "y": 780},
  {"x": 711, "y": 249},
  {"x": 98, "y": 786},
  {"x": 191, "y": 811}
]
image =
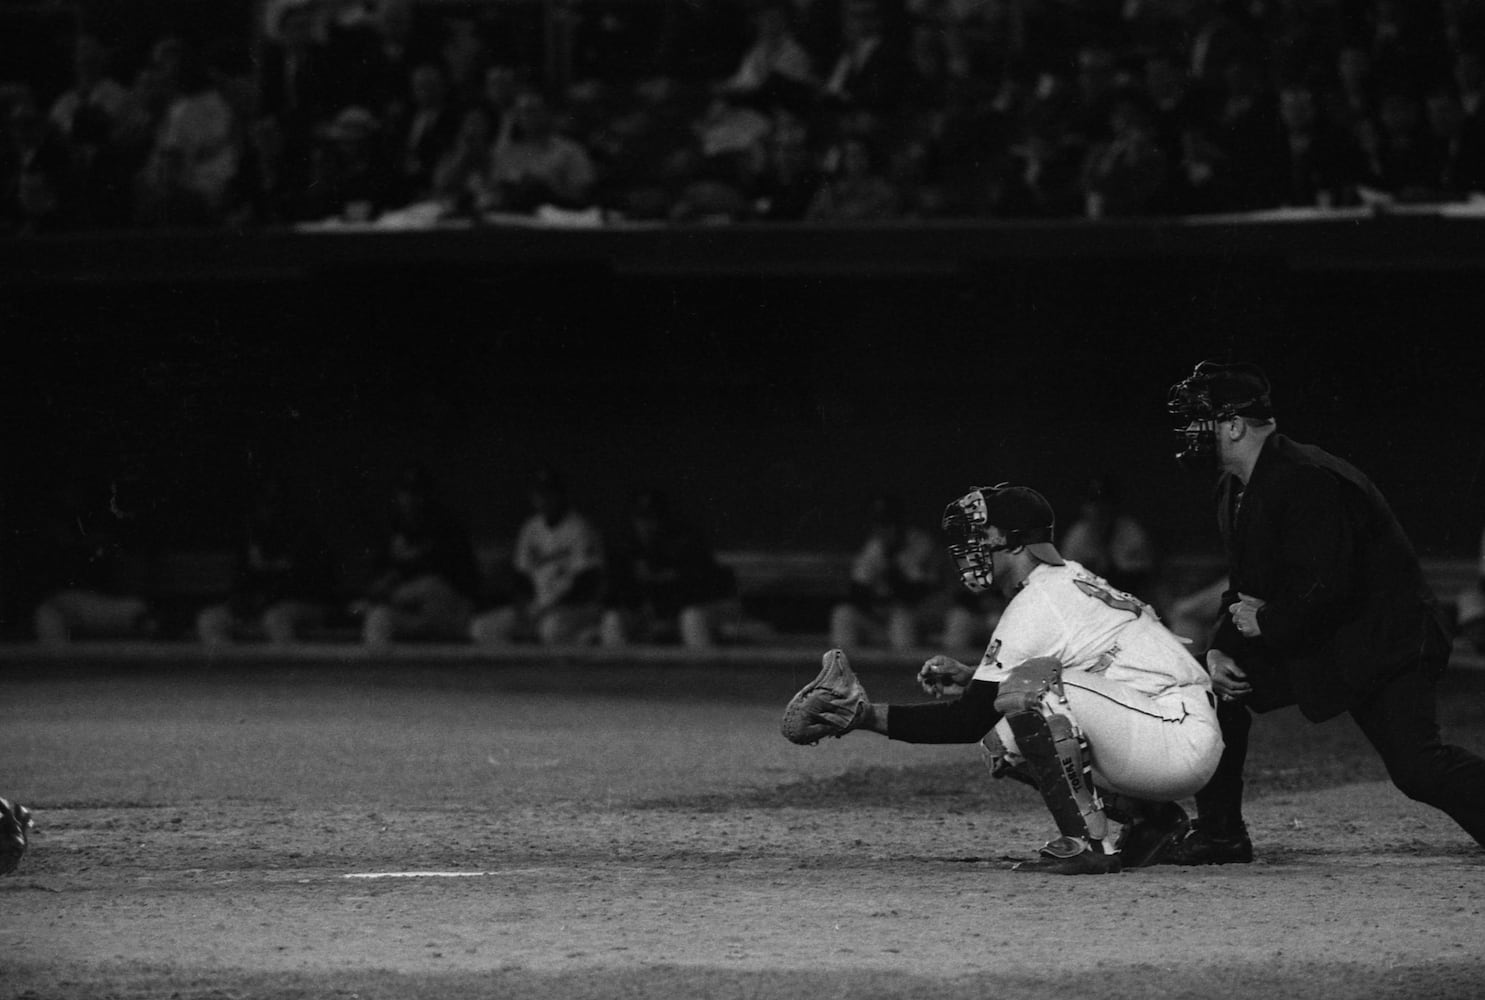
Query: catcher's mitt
[
  {"x": 832, "y": 704},
  {"x": 15, "y": 820}
]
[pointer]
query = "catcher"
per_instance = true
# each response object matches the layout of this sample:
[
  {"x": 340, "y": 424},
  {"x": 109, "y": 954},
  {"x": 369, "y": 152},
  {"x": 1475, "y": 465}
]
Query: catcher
[{"x": 1082, "y": 693}]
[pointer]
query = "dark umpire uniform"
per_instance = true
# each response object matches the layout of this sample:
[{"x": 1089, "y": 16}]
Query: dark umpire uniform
[{"x": 1349, "y": 625}]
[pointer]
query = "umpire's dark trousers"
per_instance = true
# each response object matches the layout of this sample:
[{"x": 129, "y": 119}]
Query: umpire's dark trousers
[{"x": 1401, "y": 722}]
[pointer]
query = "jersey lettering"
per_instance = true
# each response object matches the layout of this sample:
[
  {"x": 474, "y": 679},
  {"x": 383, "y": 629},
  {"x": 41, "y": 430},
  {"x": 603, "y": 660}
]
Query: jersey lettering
[{"x": 1113, "y": 598}]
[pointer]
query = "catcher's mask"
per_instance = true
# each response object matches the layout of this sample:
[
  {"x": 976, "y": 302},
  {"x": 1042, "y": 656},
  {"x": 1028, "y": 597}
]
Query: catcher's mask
[
  {"x": 1024, "y": 518},
  {"x": 1212, "y": 393}
]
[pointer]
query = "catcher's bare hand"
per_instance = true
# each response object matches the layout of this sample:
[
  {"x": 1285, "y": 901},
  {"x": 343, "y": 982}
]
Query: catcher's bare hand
[
  {"x": 1228, "y": 679},
  {"x": 941, "y": 675}
]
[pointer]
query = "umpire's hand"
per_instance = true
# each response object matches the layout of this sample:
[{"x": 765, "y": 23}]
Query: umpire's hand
[{"x": 1228, "y": 679}]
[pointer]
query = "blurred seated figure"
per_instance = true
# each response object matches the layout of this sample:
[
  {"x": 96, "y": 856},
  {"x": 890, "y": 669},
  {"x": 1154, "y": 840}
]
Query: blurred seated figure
[
  {"x": 1110, "y": 541},
  {"x": 351, "y": 178},
  {"x": 92, "y": 563},
  {"x": 559, "y": 569},
  {"x": 855, "y": 188},
  {"x": 424, "y": 576},
  {"x": 896, "y": 574},
  {"x": 535, "y": 164},
  {"x": 189, "y": 176},
  {"x": 776, "y": 65},
  {"x": 284, "y": 582},
  {"x": 1194, "y": 615},
  {"x": 1469, "y": 605},
  {"x": 35, "y": 168},
  {"x": 970, "y": 620},
  {"x": 420, "y": 136},
  {"x": 665, "y": 584},
  {"x": 462, "y": 178}
]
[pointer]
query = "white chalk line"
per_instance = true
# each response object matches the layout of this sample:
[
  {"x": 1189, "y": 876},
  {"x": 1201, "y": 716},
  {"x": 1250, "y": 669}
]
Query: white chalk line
[{"x": 507, "y": 871}]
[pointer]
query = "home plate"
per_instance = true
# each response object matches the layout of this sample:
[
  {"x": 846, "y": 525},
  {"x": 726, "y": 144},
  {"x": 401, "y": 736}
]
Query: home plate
[{"x": 512, "y": 871}]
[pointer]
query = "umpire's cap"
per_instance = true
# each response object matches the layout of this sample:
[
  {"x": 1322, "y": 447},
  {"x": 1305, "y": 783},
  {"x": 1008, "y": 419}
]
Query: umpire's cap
[{"x": 1216, "y": 390}]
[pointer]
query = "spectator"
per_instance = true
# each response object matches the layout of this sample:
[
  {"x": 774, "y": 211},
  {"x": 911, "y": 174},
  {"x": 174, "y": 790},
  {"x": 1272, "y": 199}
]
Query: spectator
[
  {"x": 1112, "y": 542},
  {"x": 788, "y": 175},
  {"x": 462, "y": 179},
  {"x": 1203, "y": 182},
  {"x": 559, "y": 564},
  {"x": 424, "y": 577},
  {"x": 1250, "y": 135},
  {"x": 535, "y": 164},
  {"x": 502, "y": 85},
  {"x": 1175, "y": 104},
  {"x": 1129, "y": 174},
  {"x": 88, "y": 110},
  {"x": 35, "y": 168},
  {"x": 1043, "y": 175},
  {"x": 665, "y": 584},
  {"x": 1459, "y": 146},
  {"x": 284, "y": 582},
  {"x": 296, "y": 96},
  {"x": 192, "y": 169},
  {"x": 896, "y": 576},
  {"x": 296, "y": 79},
  {"x": 855, "y": 188},
  {"x": 776, "y": 64},
  {"x": 1221, "y": 34},
  {"x": 466, "y": 55},
  {"x": 375, "y": 54},
  {"x": 1097, "y": 88},
  {"x": 1194, "y": 615},
  {"x": 92, "y": 116},
  {"x": 867, "y": 73},
  {"x": 157, "y": 85},
  {"x": 1469, "y": 80},
  {"x": 1400, "y": 159},
  {"x": 350, "y": 176},
  {"x": 1350, "y": 103},
  {"x": 1322, "y": 163},
  {"x": 92, "y": 563},
  {"x": 421, "y": 137}
]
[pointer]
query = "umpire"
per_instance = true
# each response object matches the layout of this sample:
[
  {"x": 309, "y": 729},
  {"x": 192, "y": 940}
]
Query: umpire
[{"x": 1327, "y": 608}]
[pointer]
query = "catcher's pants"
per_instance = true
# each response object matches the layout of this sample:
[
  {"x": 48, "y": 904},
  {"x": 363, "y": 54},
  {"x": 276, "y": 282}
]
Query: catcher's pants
[{"x": 1161, "y": 749}]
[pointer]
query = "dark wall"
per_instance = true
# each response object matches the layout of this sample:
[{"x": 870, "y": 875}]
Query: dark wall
[{"x": 770, "y": 405}]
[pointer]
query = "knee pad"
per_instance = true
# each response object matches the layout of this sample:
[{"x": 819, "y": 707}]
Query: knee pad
[
  {"x": 1028, "y": 685},
  {"x": 1055, "y": 750}
]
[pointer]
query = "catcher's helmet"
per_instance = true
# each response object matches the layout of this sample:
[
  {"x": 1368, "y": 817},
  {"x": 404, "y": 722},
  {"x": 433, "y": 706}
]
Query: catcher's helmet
[
  {"x": 1214, "y": 392},
  {"x": 1023, "y": 516}
]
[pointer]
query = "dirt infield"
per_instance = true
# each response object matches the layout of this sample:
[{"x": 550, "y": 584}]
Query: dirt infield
[{"x": 569, "y": 830}]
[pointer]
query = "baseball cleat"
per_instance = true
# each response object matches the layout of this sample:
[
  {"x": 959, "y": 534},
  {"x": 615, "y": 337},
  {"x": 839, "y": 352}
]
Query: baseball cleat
[
  {"x": 1210, "y": 845},
  {"x": 15, "y": 821},
  {"x": 1151, "y": 836},
  {"x": 1071, "y": 856}
]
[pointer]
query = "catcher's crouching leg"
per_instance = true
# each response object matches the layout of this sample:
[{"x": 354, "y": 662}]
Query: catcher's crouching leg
[
  {"x": 1055, "y": 753},
  {"x": 832, "y": 704}
]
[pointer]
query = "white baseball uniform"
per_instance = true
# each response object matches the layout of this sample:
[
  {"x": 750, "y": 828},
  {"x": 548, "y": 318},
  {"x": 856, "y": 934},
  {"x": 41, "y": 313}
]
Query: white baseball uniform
[{"x": 1142, "y": 700}]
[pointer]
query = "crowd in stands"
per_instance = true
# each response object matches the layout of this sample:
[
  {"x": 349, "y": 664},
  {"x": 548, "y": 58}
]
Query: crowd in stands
[
  {"x": 88, "y": 568},
  {"x": 777, "y": 110}
]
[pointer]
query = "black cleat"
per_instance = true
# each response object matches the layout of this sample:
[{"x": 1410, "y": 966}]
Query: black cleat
[
  {"x": 15, "y": 821},
  {"x": 1071, "y": 856},
  {"x": 1228, "y": 845},
  {"x": 1152, "y": 835}
]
